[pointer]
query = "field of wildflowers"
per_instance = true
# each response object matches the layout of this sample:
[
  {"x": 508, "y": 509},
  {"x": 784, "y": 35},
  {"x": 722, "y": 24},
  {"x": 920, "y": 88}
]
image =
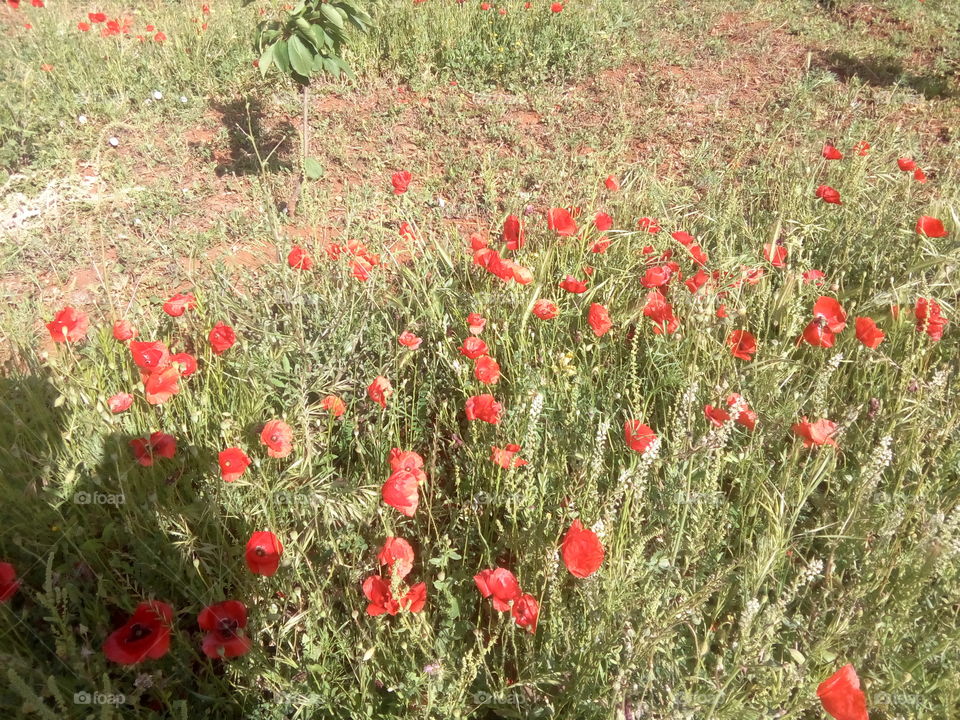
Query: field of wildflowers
[{"x": 557, "y": 415}]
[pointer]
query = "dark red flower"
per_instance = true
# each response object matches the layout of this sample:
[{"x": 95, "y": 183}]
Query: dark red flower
[
  {"x": 906, "y": 164},
  {"x": 233, "y": 462},
  {"x": 651, "y": 225},
  {"x": 409, "y": 340},
  {"x": 775, "y": 254},
  {"x": 555, "y": 8},
  {"x": 612, "y": 183},
  {"x": 829, "y": 311},
  {"x": 868, "y": 333},
  {"x": 656, "y": 277},
  {"x": 407, "y": 460},
  {"x": 397, "y": 555},
  {"x": 483, "y": 407},
  {"x": 381, "y": 600},
  {"x": 513, "y": 234},
  {"x": 919, "y": 175},
  {"x": 841, "y": 695},
  {"x": 149, "y": 355},
  {"x": 742, "y": 344},
  {"x": 68, "y": 325},
  {"x": 298, "y": 259},
  {"x": 560, "y": 221},
  {"x": 224, "y": 624},
  {"x": 813, "y": 277},
  {"x": 401, "y": 181},
  {"x": 278, "y": 437},
  {"x": 930, "y": 227},
  {"x": 185, "y": 363},
  {"x": 158, "y": 445},
  {"x": 486, "y": 370},
  {"x": 638, "y": 436},
  {"x": 120, "y": 402},
  {"x": 222, "y": 338},
  {"x": 263, "y": 553},
  {"x": 828, "y": 194},
  {"x": 599, "y": 319},
  {"x": 661, "y": 312},
  {"x": 816, "y": 433},
  {"x": 747, "y": 417},
  {"x": 96, "y": 18},
  {"x": 862, "y": 148},
  {"x": 526, "y": 610},
  {"x": 179, "y": 304},
  {"x": 929, "y": 318},
  {"x": 334, "y": 405},
  {"x": 831, "y": 153},
  {"x": 602, "y": 222},
  {"x": 8, "y": 581},
  {"x": 475, "y": 323},
  {"x": 581, "y": 550},
  {"x": 146, "y": 635},
  {"x": 500, "y": 584}
]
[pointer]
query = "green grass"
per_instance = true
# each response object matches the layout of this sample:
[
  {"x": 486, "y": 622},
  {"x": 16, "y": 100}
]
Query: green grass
[{"x": 741, "y": 569}]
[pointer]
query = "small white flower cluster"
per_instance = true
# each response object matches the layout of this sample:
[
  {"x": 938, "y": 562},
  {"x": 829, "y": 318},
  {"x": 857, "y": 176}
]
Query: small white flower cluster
[
  {"x": 749, "y": 613},
  {"x": 600, "y": 442},
  {"x": 536, "y": 407},
  {"x": 880, "y": 458}
]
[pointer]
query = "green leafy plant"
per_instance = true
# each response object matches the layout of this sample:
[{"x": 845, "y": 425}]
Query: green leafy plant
[{"x": 309, "y": 42}]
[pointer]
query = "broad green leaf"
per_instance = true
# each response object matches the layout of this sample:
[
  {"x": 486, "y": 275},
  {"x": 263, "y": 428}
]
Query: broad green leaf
[
  {"x": 331, "y": 14},
  {"x": 313, "y": 169},
  {"x": 300, "y": 56},
  {"x": 266, "y": 59},
  {"x": 281, "y": 56}
]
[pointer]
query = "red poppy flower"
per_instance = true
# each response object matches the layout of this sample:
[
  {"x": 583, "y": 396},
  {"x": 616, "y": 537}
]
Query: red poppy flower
[
  {"x": 513, "y": 234},
  {"x": 408, "y": 339},
  {"x": 526, "y": 610},
  {"x": 841, "y": 695},
  {"x": 397, "y": 555},
  {"x": 742, "y": 344},
  {"x": 473, "y": 347},
  {"x": 97, "y": 17},
  {"x": 906, "y": 164},
  {"x": 930, "y": 227},
  {"x": 656, "y": 277},
  {"x": 222, "y": 338},
  {"x": 184, "y": 363},
  {"x": 161, "y": 385},
  {"x": 500, "y": 584},
  {"x": 123, "y": 330},
  {"x": 600, "y": 245},
  {"x": 379, "y": 390},
  {"x": 556, "y": 7},
  {"x": 698, "y": 255},
  {"x": 868, "y": 333},
  {"x": 747, "y": 417},
  {"x": 483, "y": 407},
  {"x": 401, "y": 181},
  {"x": 406, "y": 460},
  {"x": 146, "y": 635},
  {"x": 475, "y": 323},
  {"x": 263, "y": 553},
  {"x": 929, "y": 318},
  {"x": 560, "y": 221},
  {"x": 401, "y": 492},
  {"x": 149, "y": 355},
  {"x": 380, "y": 596},
  {"x": 861, "y": 148},
  {"x": 638, "y": 436},
  {"x": 158, "y": 445},
  {"x": 224, "y": 623},
  {"x": 334, "y": 405},
  {"x": 233, "y": 462},
  {"x": 697, "y": 281},
  {"x": 120, "y": 402},
  {"x": 816, "y": 333},
  {"x": 485, "y": 6},
  {"x": 478, "y": 241},
  {"x": 159, "y": 38},
  {"x": 545, "y": 309},
  {"x": 599, "y": 319},
  {"x": 486, "y": 370},
  {"x": 831, "y": 153},
  {"x": 602, "y": 222},
  {"x": 828, "y": 194},
  {"x": 278, "y": 437},
  {"x": 661, "y": 312},
  {"x": 68, "y": 325},
  {"x": 8, "y": 581},
  {"x": 506, "y": 457},
  {"x": 829, "y": 311},
  {"x": 813, "y": 277},
  {"x": 571, "y": 284},
  {"x": 179, "y": 304},
  {"x": 581, "y": 550},
  {"x": 298, "y": 259},
  {"x": 721, "y": 311},
  {"x": 715, "y": 415},
  {"x": 919, "y": 175},
  {"x": 651, "y": 225},
  {"x": 611, "y": 183},
  {"x": 816, "y": 433},
  {"x": 83, "y": 27},
  {"x": 775, "y": 254}
]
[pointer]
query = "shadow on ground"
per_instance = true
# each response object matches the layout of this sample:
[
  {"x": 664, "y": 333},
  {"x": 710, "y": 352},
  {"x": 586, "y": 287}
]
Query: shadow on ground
[
  {"x": 887, "y": 71},
  {"x": 253, "y": 148}
]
